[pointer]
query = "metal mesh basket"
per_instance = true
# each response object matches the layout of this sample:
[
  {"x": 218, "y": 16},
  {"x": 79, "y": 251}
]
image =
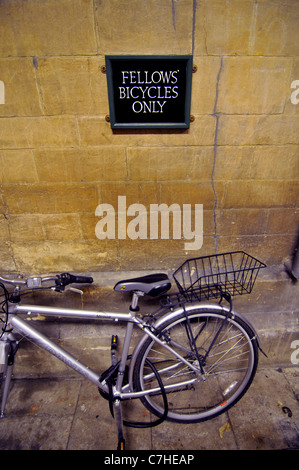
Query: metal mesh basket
[{"x": 213, "y": 276}]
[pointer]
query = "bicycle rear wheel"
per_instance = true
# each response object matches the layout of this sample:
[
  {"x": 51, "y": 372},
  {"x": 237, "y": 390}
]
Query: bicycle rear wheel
[{"x": 228, "y": 354}]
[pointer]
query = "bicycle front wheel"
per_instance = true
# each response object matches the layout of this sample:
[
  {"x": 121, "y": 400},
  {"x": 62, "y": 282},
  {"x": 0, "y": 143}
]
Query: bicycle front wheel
[{"x": 222, "y": 348}]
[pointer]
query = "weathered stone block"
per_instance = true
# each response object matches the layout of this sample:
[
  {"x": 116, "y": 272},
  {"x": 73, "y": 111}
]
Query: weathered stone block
[
  {"x": 142, "y": 193},
  {"x": 62, "y": 227},
  {"x": 17, "y": 166},
  {"x": 30, "y": 132},
  {"x": 164, "y": 255},
  {"x": 233, "y": 162},
  {"x": 73, "y": 85},
  {"x": 170, "y": 163},
  {"x": 21, "y": 93},
  {"x": 4, "y": 228},
  {"x": 254, "y": 85},
  {"x": 283, "y": 220},
  {"x": 35, "y": 28},
  {"x": 47, "y": 199},
  {"x": 80, "y": 165},
  {"x": 26, "y": 228},
  {"x": 256, "y": 162},
  {"x": 275, "y": 162},
  {"x": 261, "y": 130},
  {"x": 191, "y": 193},
  {"x": 7, "y": 258},
  {"x": 259, "y": 194},
  {"x": 222, "y": 27},
  {"x": 144, "y": 27},
  {"x": 272, "y": 250},
  {"x": 3, "y": 206},
  {"x": 208, "y": 222},
  {"x": 276, "y": 28},
  {"x": 204, "y": 84},
  {"x": 241, "y": 222},
  {"x": 59, "y": 256},
  {"x": 94, "y": 131},
  {"x": 277, "y": 249},
  {"x": 88, "y": 223}
]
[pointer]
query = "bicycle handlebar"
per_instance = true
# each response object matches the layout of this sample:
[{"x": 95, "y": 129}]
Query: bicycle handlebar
[
  {"x": 61, "y": 280},
  {"x": 15, "y": 282}
]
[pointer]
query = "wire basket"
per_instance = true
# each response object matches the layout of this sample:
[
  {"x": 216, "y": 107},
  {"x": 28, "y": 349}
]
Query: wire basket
[{"x": 215, "y": 276}]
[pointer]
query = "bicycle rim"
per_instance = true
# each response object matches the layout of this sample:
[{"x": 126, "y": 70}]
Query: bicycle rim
[{"x": 229, "y": 367}]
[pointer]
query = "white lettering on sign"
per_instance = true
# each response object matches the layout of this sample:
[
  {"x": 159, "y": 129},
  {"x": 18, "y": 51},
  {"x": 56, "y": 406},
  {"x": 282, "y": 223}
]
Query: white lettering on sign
[
  {"x": 148, "y": 107},
  {"x": 147, "y": 99},
  {"x": 145, "y": 77}
]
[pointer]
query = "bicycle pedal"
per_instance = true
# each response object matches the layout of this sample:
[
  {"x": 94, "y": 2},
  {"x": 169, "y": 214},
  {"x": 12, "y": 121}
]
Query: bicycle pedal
[{"x": 114, "y": 341}]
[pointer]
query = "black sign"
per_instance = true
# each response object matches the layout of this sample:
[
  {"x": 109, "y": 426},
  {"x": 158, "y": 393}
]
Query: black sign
[{"x": 149, "y": 91}]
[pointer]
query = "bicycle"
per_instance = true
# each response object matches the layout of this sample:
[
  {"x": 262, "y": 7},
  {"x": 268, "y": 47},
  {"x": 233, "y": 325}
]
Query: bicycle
[{"x": 195, "y": 359}]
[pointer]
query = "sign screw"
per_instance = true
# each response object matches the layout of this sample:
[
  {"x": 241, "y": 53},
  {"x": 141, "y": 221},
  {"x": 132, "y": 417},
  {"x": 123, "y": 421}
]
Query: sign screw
[
  {"x": 107, "y": 118},
  {"x": 194, "y": 68},
  {"x": 103, "y": 68}
]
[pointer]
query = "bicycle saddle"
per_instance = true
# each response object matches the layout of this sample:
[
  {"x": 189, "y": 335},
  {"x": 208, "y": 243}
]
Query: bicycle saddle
[{"x": 152, "y": 284}]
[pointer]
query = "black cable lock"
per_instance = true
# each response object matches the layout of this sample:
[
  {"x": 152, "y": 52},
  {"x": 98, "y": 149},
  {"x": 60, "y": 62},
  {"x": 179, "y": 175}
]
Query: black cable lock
[{"x": 110, "y": 376}]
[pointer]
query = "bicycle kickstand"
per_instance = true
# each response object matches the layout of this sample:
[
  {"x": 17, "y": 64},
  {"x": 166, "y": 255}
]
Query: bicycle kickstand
[
  {"x": 9, "y": 350},
  {"x": 119, "y": 423},
  {"x": 117, "y": 403}
]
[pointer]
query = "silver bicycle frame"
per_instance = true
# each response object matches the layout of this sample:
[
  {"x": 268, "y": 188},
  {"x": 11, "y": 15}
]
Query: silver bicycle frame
[
  {"x": 119, "y": 391},
  {"x": 24, "y": 328}
]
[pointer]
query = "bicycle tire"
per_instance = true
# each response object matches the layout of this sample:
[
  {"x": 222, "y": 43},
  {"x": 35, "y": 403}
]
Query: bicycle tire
[{"x": 229, "y": 368}]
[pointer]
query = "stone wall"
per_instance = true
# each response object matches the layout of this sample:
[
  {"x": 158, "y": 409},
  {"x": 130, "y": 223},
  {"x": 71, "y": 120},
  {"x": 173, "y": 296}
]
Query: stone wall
[{"x": 60, "y": 159}]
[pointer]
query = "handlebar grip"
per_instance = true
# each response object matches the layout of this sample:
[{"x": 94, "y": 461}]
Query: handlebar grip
[
  {"x": 65, "y": 278},
  {"x": 81, "y": 279}
]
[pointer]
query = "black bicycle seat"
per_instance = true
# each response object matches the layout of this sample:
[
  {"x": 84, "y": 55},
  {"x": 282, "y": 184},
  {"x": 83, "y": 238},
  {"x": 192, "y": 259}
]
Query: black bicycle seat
[{"x": 152, "y": 284}]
